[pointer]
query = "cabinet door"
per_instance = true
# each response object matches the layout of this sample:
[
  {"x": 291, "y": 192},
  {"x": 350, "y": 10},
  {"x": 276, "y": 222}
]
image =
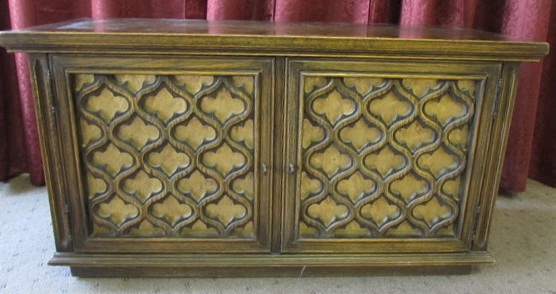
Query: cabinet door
[
  {"x": 169, "y": 154},
  {"x": 385, "y": 156}
]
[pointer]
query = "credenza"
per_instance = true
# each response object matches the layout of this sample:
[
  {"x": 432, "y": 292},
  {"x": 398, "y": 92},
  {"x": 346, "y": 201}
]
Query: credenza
[{"x": 234, "y": 148}]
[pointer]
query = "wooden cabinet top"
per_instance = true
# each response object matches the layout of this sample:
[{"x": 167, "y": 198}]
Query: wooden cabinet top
[{"x": 165, "y": 36}]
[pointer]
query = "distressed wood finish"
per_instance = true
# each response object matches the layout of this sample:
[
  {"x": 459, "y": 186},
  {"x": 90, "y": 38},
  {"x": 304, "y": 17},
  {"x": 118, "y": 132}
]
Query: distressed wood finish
[
  {"x": 194, "y": 148},
  {"x": 386, "y": 155},
  {"x": 173, "y": 170},
  {"x": 168, "y": 161}
]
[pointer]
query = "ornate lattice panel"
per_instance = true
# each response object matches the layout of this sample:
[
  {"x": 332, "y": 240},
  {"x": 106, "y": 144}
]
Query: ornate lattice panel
[
  {"x": 383, "y": 158},
  {"x": 168, "y": 155}
]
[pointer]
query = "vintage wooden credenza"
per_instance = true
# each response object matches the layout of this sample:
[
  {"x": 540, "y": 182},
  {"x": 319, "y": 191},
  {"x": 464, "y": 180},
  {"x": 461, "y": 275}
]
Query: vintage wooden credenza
[{"x": 194, "y": 148}]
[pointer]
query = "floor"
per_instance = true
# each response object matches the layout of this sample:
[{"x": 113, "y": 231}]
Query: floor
[{"x": 523, "y": 242}]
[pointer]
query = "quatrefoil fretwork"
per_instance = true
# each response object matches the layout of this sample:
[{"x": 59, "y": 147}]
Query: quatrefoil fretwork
[
  {"x": 392, "y": 153},
  {"x": 168, "y": 156}
]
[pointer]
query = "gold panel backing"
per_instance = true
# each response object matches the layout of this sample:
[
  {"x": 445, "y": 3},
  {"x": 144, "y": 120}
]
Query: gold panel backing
[
  {"x": 382, "y": 157},
  {"x": 168, "y": 155}
]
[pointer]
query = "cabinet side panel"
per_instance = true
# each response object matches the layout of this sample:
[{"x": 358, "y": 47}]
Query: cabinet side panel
[
  {"x": 496, "y": 152},
  {"x": 46, "y": 110}
]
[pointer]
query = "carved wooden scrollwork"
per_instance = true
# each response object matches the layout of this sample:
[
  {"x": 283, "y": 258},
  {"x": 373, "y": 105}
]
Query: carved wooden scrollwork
[
  {"x": 167, "y": 155},
  {"x": 383, "y": 157}
]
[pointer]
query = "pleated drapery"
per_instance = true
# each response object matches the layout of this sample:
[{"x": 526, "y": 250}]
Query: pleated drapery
[{"x": 532, "y": 144}]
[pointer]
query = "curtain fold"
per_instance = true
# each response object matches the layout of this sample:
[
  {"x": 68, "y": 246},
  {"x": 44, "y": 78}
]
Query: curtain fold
[
  {"x": 434, "y": 13},
  {"x": 543, "y": 155},
  {"x": 384, "y": 11},
  {"x": 12, "y": 155},
  {"x": 527, "y": 19}
]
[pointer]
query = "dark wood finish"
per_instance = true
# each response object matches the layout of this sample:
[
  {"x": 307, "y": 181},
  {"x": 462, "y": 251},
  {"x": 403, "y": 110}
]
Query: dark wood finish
[
  {"x": 265, "y": 265},
  {"x": 156, "y": 36},
  {"x": 366, "y": 207},
  {"x": 195, "y": 148},
  {"x": 129, "y": 143},
  {"x": 287, "y": 271}
]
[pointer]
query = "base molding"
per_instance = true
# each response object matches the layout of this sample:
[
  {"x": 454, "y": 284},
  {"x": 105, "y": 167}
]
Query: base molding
[
  {"x": 230, "y": 272},
  {"x": 258, "y": 265}
]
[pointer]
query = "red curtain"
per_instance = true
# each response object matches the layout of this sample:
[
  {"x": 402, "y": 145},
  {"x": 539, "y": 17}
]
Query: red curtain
[{"x": 531, "y": 148}]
